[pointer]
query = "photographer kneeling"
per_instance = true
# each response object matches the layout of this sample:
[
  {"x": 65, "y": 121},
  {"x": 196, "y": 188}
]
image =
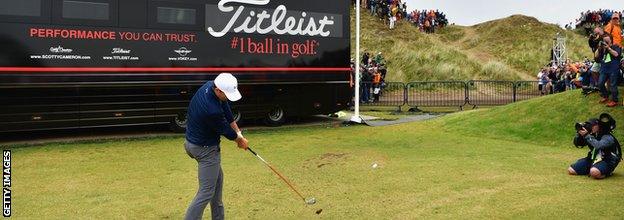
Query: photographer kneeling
[{"x": 604, "y": 149}]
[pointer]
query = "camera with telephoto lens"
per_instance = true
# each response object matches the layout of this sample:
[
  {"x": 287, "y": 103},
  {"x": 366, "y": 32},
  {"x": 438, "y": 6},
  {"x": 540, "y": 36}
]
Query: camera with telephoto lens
[{"x": 605, "y": 121}]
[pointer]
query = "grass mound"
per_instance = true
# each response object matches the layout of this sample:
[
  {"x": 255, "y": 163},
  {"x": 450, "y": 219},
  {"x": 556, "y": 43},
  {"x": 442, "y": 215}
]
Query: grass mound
[
  {"x": 547, "y": 120},
  {"x": 512, "y": 48}
]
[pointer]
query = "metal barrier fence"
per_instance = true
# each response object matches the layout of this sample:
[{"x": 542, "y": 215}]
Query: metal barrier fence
[
  {"x": 527, "y": 90},
  {"x": 434, "y": 94},
  {"x": 386, "y": 94},
  {"x": 490, "y": 92},
  {"x": 448, "y": 93}
]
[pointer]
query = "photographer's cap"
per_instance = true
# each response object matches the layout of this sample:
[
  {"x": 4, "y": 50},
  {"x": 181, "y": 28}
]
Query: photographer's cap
[{"x": 227, "y": 83}]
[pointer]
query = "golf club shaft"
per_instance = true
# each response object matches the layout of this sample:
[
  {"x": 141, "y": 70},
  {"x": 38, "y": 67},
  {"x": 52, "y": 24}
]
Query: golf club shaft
[{"x": 278, "y": 174}]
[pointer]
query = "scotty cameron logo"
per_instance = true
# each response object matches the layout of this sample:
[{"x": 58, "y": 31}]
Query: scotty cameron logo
[
  {"x": 118, "y": 50},
  {"x": 60, "y": 49},
  {"x": 278, "y": 22},
  {"x": 183, "y": 51}
]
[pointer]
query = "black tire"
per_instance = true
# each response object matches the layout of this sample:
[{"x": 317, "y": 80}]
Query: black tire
[
  {"x": 178, "y": 123},
  {"x": 275, "y": 117},
  {"x": 238, "y": 116}
]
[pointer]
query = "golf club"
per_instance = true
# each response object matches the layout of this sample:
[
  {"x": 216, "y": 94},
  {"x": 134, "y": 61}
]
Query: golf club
[{"x": 309, "y": 201}]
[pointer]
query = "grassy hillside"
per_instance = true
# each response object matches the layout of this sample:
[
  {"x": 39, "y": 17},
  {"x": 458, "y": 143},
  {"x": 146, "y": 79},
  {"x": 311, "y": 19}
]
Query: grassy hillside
[
  {"x": 512, "y": 48},
  {"x": 547, "y": 120},
  {"x": 524, "y": 42}
]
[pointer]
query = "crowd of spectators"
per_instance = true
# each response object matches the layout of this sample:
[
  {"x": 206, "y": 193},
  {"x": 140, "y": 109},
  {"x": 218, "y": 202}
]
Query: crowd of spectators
[
  {"x": 427, "y": 20},
  {"x": 590, "y": 19},
  {"x": 603, "y": 72},
  {"x": 554, "y": 78},
  {"x": 393, "y": 11},
  {"x": 372, "y": 76}
]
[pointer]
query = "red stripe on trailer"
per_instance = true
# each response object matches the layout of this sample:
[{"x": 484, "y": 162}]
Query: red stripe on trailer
[{"x": 172, "y": 69}]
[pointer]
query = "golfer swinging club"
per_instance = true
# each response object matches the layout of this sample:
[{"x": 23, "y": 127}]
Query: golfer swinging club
[{"x": 209, "y": 117}]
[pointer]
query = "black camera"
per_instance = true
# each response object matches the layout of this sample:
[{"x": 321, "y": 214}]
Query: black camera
[
  {"x": 586, "y": 90},
  {"x": 602, "y": 43},
  {"x": 605, "y": 121},
  {"x": 587, "y": 125}
]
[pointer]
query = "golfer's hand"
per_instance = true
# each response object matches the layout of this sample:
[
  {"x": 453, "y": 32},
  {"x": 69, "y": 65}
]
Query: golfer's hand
[
  {"x": 242, "y": 143},
  {"x": 583, "y": 132}
]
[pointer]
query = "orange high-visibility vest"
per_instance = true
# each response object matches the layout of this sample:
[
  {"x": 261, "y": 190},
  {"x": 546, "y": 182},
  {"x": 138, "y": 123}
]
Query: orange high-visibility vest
[
  {"x": 616, "y": 33},
  {"x": 376, "y": 78}
]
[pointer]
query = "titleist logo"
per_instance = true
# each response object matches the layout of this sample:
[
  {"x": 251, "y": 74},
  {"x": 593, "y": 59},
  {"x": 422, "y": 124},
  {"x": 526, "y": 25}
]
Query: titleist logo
[
  {"x": 263, "y": 22},
  {"x": 117, "y": 50}
]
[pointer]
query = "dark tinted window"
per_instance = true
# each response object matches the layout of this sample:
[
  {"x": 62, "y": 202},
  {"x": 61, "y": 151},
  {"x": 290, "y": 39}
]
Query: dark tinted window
[
  {"x": 132, "y": 14},
  {"x": 20, "y": 7},
  {"x": 86, "y": 10},
  {"x": 169, "y": 15}
]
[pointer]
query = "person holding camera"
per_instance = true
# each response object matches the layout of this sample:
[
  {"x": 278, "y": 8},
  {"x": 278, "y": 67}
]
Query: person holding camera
[
  {"x": 594, "y": 44},
  {"x": 604, "y": 149},
  {"x": 609, "y": 56},
  {"x": 595, "y": 38}
]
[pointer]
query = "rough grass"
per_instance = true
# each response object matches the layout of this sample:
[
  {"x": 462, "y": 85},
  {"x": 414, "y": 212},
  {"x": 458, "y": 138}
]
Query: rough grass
[
  {"x": 511, "y": 48},
  {"x": 547, "y": 120},
  {"x": 499, "y": 163},
  {"x": 524, "y": 42},
  {"x": 414, "y": 56}
]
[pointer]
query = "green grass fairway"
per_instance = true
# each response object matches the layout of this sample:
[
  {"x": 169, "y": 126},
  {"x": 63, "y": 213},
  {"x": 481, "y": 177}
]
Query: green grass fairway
[{"x": 499, "y": 163}]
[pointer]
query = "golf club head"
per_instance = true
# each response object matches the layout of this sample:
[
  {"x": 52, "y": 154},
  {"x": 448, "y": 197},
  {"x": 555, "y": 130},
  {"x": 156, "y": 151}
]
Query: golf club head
[{"x": 310, "y": 201}]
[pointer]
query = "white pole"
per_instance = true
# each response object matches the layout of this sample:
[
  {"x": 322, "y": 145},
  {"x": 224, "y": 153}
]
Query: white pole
[{"x": 356, "y": 117}]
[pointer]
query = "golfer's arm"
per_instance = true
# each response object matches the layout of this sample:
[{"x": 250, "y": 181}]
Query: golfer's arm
[
  {"x": 230, "y": 118},
  {"x": 234, "y": 127},
  {"x": 222, "y": 127},
  {"x": 227, "y": 112}
]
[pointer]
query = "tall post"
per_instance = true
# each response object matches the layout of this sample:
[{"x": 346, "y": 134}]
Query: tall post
[{"x": 356, "y": 116}]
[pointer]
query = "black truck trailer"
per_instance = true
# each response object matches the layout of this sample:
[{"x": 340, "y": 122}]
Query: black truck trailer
[{"x": 67, "y": 64}]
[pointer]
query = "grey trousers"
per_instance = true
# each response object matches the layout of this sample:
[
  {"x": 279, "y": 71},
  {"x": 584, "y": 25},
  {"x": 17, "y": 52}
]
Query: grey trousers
[{"x": 210, "y": 178}]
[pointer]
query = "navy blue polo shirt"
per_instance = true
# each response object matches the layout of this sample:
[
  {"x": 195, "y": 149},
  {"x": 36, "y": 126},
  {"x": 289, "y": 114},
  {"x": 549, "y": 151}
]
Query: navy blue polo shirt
[{"x": 208, "y": 118}]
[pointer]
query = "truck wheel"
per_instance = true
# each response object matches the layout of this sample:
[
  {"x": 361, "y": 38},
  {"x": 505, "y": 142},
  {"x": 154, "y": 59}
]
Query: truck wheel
[
  {"x": 178, "y": 123},
  {"x": 275, "y": 117},
  {"x": 237, "y": 116}
]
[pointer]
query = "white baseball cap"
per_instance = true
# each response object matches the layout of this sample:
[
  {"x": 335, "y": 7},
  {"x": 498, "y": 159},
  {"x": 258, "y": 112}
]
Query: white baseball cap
[{"x": 227, "y": 83}]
